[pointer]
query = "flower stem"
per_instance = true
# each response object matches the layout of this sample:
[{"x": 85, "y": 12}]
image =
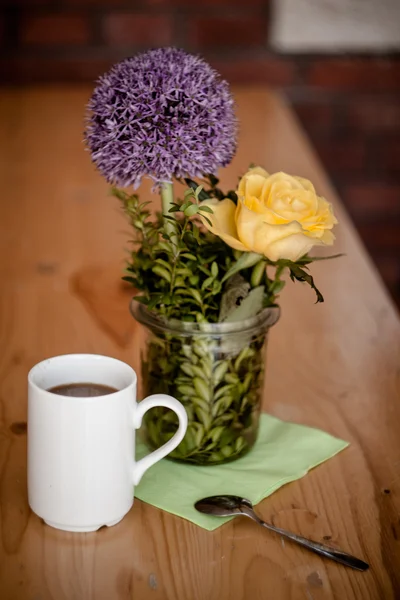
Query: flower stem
[{"x": 167, "y": 198}]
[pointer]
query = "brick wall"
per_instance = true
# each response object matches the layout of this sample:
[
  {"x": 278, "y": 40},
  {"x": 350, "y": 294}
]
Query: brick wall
[{"x": 348, "y": 105}]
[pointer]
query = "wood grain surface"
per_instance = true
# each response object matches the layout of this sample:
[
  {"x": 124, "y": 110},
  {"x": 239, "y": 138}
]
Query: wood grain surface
[{"x": 334, "y": 366}]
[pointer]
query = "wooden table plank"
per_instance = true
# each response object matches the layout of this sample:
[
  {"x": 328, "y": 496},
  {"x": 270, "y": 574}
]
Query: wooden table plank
[{"x": 334, "y": 366}]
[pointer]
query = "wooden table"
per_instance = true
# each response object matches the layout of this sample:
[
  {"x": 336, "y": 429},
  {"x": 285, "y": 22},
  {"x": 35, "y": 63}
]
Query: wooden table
[{"x": 332, "y": 366}]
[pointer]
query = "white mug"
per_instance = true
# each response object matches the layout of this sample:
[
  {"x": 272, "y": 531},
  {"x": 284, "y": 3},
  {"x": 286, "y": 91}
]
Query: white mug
[{"x": 81, "y": 451}]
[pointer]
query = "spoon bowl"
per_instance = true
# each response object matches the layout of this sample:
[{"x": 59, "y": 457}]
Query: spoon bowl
[{"x": 221, "y": 506}]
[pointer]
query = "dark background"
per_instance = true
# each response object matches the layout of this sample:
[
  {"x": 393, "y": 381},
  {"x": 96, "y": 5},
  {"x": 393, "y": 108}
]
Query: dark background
[{"x": 348, "y": 104}]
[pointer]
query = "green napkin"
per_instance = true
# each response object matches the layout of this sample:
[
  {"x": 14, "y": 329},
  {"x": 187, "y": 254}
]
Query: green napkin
[{"x": 283, "y": 452}]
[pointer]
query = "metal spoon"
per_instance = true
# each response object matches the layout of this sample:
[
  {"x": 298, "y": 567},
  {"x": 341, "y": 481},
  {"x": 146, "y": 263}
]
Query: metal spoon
[{"x": 232, "y": 506}]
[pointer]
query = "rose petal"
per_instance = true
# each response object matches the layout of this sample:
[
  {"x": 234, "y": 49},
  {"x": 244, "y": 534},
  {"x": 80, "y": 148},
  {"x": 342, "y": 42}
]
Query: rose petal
[
  {"x": 327, "y": 238},
  {"x": 223, "y": 222},
  {"x": 298, "y": 204},
  {"x": 292, "y": 247},
  {"x": 254, "y": 204},
  {"x": 284, "y": 178},
  {"x": 258, "y": 235},
  {"x": 305, "y": 183},
  {"x": 258, "y": 171},
  {"x": 253, "y": 185}
]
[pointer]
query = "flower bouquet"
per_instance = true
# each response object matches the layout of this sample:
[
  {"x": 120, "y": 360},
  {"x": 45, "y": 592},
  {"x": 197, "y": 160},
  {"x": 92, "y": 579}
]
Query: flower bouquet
[{"x": 208, "y": 267}]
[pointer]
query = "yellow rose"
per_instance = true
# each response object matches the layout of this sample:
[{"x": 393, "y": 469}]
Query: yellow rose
[{"x": 279, "y": 216}]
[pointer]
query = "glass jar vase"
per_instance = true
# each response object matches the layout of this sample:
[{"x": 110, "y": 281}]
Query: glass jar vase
[{"x": 217, "y": 371}]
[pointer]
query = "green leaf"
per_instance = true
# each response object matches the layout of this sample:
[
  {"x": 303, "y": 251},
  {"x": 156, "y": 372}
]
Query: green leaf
[
  {"x": 305, "y": 260},
  {"x": 161, "y": 272},
  {"x": 207, "y": 220},
  {"x": 184, "y": 272},
  {"x": 199, "y": 434},
  {"x": 152, "y": 431},
  {"x": 190, "y": 439},
  {"x": 154, "y": 300},
  {"x": 231, "y": 378},
  {"x": 245, "y": 353},
  {"x": 189, "y": 256},
  {"x": 121, "y": 195},
  {"x": 187, "y": 368},
  {"x": 199, "y": 372},
  {"x": 200, "y": 318},
  {"x": 205, "y": 271},
  {"x": 249, "y": 307},
  {"x": 215, "y": 433},
  {"x": 197, "y": 191},
  {"x": 164, "y": 246},
  {"x": 216, "y": 288},
  {"x": 300, "y": 275},
  {"x": 214, "y": 270},
  {"x": 226, "y": 451},
  {"x": 202, "y": 389},
  {"x": 141, "y": 300},
  {"x": 214, "y": 181},
  {"x": 164, "y": 263},
  {"x": 183, "y": 292},
  {"x": 200, "y": 347},
  {"x": 200, "y": 403},
  {"x": 216, "y": 457},
  {"x": 247, "y": 260},
  {"x": 219, "y": 371},
  {"x": 169, "y": 417},
  {"x": 196, "y": 234},
  {"x": 186, "y": 205},
  {"x": 186, "y": 390},
  {"x": 227, "y": 437},
  {"x": 210, "y": 446},
  {"x": 191, "y": 210},
  {"x": 247, "y": 381},
  {"x": 194, "y": 280},
  {"x": 207, "y": 282},
  {"x": 225, "y": 417},
  {"x": 131, "y": 280},
  {"x": 223, "y": 391},
  {"x": 193, "y": 185},
  {"x": 206, "y": 209},
  {"x": 221, "y": 405},
  {"x": 196, "y": 295},
  {"x": 203, "y": 417},
  {"x": 179, "y": 282},
  {"x": 244, "y": 404},
  {"x": 206, "y": 365},
  {"x": 239, "y": 444}
]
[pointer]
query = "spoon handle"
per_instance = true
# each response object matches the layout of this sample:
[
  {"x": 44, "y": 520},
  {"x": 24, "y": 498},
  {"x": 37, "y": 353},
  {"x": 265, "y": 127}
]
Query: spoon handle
[{"x": 337, "y": 555}]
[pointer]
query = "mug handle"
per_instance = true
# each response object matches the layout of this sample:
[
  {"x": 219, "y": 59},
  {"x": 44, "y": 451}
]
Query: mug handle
[{"x": 141, "y": 466}]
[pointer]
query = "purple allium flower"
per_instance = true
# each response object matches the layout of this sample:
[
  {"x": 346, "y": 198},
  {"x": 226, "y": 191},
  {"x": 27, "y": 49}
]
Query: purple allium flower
[{"x": 162, "y": 113}]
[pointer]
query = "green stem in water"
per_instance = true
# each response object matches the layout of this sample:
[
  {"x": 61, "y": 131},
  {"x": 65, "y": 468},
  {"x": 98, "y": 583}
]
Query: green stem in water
[{"x": 167, "y": 198}]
